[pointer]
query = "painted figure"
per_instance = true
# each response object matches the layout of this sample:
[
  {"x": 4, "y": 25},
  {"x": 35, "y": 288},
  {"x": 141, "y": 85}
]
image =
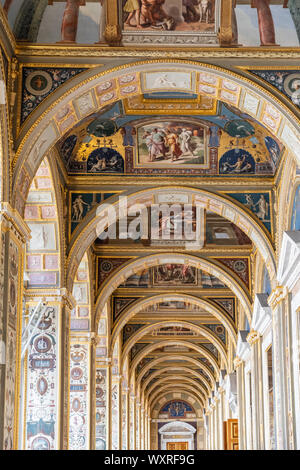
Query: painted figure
[
  {"x": 263, "y": 208},
  {"x": 190, "y": 15},
  {"x": 205, "y": 10},
  {"x": 185, "y": 138},
  {"x": 78, "y": 208},
  {"x": 295, "y": 96},
  {"x": 133, "y": 8},
  {"x": 172, "y": 142}
]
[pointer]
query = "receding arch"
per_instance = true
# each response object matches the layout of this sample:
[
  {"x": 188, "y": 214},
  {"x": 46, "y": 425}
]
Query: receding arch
[
  {"x": 208, "y": 334},
  {"x": 171, "y": 380},
  {"x": 196, "y": 347},
  {"x": 213, "y": 202},
  {"x": 187, "y": 359},
  {"x": 149, "y": 261},
  {"x": 178, "y": 368},
  {"x": 179, "y": 388},
  {"x": 133, "y": 309}
]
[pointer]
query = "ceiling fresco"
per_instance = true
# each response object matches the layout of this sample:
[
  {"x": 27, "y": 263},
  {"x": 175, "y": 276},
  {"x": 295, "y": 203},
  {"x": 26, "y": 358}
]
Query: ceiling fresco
[{"x": 228, "y": 143}]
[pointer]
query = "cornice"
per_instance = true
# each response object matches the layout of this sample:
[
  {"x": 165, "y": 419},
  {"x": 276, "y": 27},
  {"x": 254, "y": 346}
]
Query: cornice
[
  {"x": 95, "y": 51},
  {"x": 12, "y": 216}
]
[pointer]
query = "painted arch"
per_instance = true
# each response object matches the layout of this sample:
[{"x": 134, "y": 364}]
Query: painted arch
[{"x": 129, "y": 312}]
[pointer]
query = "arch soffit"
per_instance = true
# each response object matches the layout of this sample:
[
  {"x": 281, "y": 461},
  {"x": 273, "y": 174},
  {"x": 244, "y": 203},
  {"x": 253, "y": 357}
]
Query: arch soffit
[
  {"x": 149, "y": 261},
  {"x": 133, "y": 309},
  {"x": 213, "y": 202},
  {"x": 247, "y": 95},
  {"x": 208, "y": 334}
]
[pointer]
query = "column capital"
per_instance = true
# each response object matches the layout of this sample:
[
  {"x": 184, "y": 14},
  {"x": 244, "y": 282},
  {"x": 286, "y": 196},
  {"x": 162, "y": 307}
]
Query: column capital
[
  {"x": 277, "y": 295},
  {"x": 253, "y": 337},
  {"x": 52, "y": 295},
  {"x": 237, "y": 362},
  {"x": 12, "y": 218}
]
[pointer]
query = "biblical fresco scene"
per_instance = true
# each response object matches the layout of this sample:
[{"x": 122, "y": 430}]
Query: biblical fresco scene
[{"x": 121, "y": 141}]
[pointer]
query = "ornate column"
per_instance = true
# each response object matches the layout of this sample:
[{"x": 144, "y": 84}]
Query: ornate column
[
  {"x": 265, "y": 23},
  {"x": 70, "y": 21},
  {"x": 14, "y": 233},
  {"x": 283, "y": 396},
  {"x": 254, "y": 341}
]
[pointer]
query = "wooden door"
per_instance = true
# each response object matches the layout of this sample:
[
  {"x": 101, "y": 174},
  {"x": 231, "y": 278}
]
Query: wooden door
[
  {"x": 231, "y": 434},
  {"x": 177, "y": 446}
]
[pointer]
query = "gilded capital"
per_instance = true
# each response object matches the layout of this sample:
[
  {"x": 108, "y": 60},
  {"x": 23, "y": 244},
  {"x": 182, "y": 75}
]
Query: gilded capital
[
  {"x": 237, "y": 362},
  {"x": 277, "y": 295},
  {"x": 253, "y": 337}
]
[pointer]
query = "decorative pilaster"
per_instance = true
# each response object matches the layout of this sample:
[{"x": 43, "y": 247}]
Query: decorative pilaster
[
  {"x": 116, "y": 412},
  {"x": 239, "y": 367},
  {"x": 13, "y": 235},
  {"x": 113, "y": 33},
  {"x": 45, "y": 379},
  {"x": 102, "y": 405},
  {"x": 132, "y": 422},
  {"x": 80, "y": 386},
  {"x": 125, "y": 420},
  {"x": 138, "y": 426},
  {"x": 227, "y": 36},
  {"x": 283, "y": 396},
  {"x": 265, "y": 23},
  {"x": 257, "y": 398}
]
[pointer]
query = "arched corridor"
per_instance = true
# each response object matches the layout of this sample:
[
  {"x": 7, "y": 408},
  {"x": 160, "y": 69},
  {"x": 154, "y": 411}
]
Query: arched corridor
[{"x": 150, "y": 226}]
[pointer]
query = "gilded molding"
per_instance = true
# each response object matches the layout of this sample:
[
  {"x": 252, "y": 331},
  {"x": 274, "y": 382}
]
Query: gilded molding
[
  {"x": 12, "y": 216},
  {"x": 50, "y": 50}
]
